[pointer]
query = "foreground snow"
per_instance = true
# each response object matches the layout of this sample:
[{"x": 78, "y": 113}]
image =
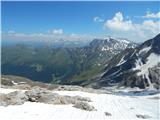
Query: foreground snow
[
  {"x": 120, "y": 107},
  {"x": 6, "y": 91}
]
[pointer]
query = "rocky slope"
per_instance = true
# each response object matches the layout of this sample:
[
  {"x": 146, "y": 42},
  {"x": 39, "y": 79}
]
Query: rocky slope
[{"x": 138, "y": 67}]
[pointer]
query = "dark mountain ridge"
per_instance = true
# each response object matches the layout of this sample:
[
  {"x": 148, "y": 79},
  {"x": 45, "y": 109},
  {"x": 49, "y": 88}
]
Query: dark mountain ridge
[{"x": 137, "y": 67}]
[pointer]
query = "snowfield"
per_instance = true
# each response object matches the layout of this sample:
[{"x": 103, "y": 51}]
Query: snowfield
[
  {"x": 121, "y": 107},
  {"x": 152, "y": 61}
]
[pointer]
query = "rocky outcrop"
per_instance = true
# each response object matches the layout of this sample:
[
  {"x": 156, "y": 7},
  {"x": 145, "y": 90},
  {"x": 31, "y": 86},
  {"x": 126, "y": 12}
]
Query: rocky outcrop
[
  {"x": 84, "y": 106},
  {"x": 69, "y": 88},
  {"x": 13, "y": 98},
  {"x": 17, "y": 82},
  {"x": 38, "y": 94},
  {"x": 41, "y": 95},
  {"x": 108, "y": 114},
  {"x": 143, "y": 116}
]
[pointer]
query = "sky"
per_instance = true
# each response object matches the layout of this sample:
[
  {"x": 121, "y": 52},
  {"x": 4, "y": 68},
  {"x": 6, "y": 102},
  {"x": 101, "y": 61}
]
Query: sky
[{"x": 136, "y": 21}]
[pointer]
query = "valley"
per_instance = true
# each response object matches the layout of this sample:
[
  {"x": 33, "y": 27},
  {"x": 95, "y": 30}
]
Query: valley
[{"x": 61, "y": 65}]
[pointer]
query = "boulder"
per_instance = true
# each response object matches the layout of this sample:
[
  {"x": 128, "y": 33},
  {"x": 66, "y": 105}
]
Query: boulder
[
  {"x": 37, "y": 94},
  {"x": 143, "y": 116},
  {"x": 13, "y": 98},
  {"x": 69, "y": 88},
  {"x": 84, "y": 106},
  {"x": 108, "y": 114}
]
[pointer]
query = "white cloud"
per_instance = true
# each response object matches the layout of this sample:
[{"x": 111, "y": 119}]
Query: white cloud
[
  {"x": 57, "y": 31},
  {"x": 148, "y": 28},
  {"x": 98, "y": 19},
  {"x": 118, "y": 23},
  {"x": 48, "y": 37},
  {"x": 152, "y": 15},
  {"x": 153, "y": 26},
  {"x": 11, "y": 32}
]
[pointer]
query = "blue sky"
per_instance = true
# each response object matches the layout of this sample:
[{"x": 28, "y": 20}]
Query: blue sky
[{"x": 89, "y": 19}]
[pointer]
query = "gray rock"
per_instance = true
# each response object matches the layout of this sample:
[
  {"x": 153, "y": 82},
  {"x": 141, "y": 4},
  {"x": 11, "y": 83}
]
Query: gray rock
[
  {"x": 49, "y": 98},
  {"x": 155, "y": 98},
  {"x": 84, "y": 106},
  {"x": 79, "y": 98},
  {"x": 108, "y": 114},
  {"x": 13, "y": 98},
  {"x": 37, "y": 94},
  {"x": 35, "y": 91},
  {"x": 73, "y": 99},
  {"x": 69, "y": 88},
  {"x": 32, "y": 99},
  {"x": 58, "y": 99},
  {"x": 143, "y": 116}
]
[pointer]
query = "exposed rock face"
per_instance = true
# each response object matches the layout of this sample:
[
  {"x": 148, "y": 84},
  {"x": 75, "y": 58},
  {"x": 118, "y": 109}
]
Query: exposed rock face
[
  {"x": 138, "y": 67},
  {"x": 69, "y": 88},
  {"x": 143, "y": 116},
  {"x": 84, "y": 106},
  {"x": 108, "y": 114},
  {"x": 17, "y": 82},
  {"x": 37, "y": 94},
  {"x": 155, "y": 74},
  {"x": 13, "y": 98},
  {"x": 10, "y": 80}
]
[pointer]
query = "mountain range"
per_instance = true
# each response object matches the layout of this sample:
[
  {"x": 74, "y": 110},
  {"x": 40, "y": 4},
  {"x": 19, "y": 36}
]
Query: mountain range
[
  {"x": 134, "y": 67},
  {"x": 103, "y": 62},
  {"x": 62, "y": 65}
]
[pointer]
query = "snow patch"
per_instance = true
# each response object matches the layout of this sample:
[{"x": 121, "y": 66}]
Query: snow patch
[
  {"x": 124, "y": 41},
  {"x": 145, "y": 50},
  {"x": 104, "y": 49},
  {"x": 14, "y": 83},
  {"x": 121, "y": 61},
  {"x": 6, "y": 91},
  {"x": 152, "y": 60}
]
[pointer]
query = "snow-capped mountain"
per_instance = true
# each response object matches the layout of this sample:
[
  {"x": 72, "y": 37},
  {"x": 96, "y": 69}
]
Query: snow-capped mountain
[
  {"x": 65, "y": 65},
  {"x": 114, "y": 45},
  {"x": 138, "y": 67},
  {"x": 99, "y": 51}
]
